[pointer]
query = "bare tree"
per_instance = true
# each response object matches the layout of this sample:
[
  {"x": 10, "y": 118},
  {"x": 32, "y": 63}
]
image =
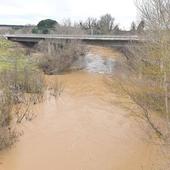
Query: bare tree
[
  {"x": 90, "y": 26},
  {"x": 149, "y": 67},
  {"x": 133, "y": 27},
  {"x": 141, "y": 27},
  {"x": 155, "y": 13},
  {"x": 116, "y": 29},
  {"x": 106, "y": 24},
  {"x": 59, "y": 56},
  {"x": 68, "y": 28}
]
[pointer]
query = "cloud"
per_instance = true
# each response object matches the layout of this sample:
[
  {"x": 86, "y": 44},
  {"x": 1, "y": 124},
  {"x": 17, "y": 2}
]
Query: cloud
[{"x": 24, "y": 12}]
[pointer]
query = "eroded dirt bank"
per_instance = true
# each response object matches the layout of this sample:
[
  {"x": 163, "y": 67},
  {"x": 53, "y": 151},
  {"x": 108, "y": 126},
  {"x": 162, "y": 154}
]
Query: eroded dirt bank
[{"x": 81, "y": 130}]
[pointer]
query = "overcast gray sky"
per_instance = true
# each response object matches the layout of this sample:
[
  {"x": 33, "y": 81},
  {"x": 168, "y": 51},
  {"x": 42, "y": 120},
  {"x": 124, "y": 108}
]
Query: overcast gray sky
[{"x": 32, "y": 11}]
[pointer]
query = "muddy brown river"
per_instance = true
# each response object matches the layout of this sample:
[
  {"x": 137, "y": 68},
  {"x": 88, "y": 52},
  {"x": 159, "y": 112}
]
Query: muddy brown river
[{"x": 83, "y": 129}]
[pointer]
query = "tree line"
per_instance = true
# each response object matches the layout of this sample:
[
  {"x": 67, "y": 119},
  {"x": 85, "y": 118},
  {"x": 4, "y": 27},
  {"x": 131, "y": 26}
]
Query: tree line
[{"x": 104, "y": 25}]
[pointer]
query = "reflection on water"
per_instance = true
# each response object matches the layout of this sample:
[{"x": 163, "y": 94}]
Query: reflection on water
[
  {"x": 97, "y": 64},
  {"x": 82, "y": 130}
]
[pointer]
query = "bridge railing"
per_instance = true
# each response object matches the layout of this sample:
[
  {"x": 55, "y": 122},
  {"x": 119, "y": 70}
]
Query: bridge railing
[{"x": 63, "y": 36}]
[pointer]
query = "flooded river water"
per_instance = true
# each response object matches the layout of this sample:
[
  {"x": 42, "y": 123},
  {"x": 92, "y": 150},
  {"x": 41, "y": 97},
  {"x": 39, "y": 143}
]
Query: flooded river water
[{"x": 82, "y": 129}]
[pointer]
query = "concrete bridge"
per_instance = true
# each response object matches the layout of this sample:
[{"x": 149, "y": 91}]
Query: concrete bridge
[{"x": 113, "y": 40}]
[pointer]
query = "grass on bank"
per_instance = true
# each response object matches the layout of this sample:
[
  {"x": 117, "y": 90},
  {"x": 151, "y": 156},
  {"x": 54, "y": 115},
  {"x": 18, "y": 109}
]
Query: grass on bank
[{"x": 19, "y": 76}]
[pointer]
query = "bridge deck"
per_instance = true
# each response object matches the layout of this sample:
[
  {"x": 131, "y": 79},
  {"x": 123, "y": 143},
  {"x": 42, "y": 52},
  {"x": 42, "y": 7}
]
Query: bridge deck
[{"x": 72, "y": 37}]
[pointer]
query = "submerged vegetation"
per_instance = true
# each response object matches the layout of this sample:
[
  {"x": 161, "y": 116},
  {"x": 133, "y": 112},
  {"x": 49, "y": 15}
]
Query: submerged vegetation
[
  {"x": 59, "y": 56},
  {"x": 21, "y": 86},
  {"x": 22, "y": 83},
  {"x": 149, "y": 66},
  {"x": 146, "y": 80}
]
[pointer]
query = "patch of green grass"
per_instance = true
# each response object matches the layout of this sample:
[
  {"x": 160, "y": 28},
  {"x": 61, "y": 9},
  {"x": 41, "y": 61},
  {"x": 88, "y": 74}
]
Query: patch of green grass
[
  {"x": 11, "y": 57},
  {"x": 16, "y": 62},
  {"x": 5, "y": 44}
]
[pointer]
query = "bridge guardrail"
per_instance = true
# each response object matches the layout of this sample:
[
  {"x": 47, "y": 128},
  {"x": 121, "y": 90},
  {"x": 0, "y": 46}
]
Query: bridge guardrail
[{"x": 78, "y": 37}]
